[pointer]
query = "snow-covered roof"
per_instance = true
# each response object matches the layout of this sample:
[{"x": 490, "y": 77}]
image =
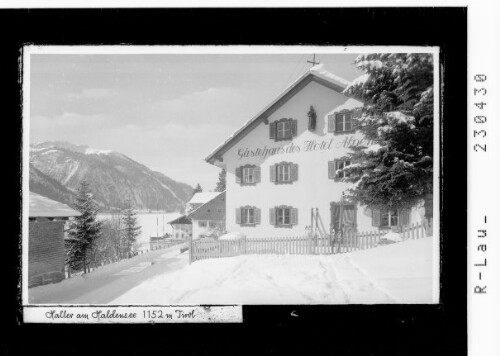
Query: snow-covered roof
[
  {"x": 316, "y": 73},
  {"x": 203, "y": 197},
  {"x": 41, "y": 206},
  {"x": 181, "y": 220}
]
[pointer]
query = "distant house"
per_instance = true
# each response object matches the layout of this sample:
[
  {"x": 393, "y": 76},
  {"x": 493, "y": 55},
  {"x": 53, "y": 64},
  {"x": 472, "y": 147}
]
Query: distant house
[
  {"x": 199, "y": 199},
  {"x": 182, "y": 228},
  {"x": 46, "y": 254},
  {"x": 209, "y": 219}
]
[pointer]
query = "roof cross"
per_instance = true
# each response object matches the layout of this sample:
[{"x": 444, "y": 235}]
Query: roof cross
[{"x": 313, "y": 62}]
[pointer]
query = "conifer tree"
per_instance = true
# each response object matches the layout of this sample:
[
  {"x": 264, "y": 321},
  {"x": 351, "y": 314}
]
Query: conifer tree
[
  {"x": 131, "y": 228},
  {"x": 221, "y": 184},
  {"x": 397, "y": 170},
  {"x": 84, "y": 231}
]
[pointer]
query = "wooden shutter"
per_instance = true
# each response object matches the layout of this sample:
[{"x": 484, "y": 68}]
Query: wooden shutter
[
  {"x": 272, "y": 173},
  {"x": 272, "y": 130},
  {"x": 238, "y": 215},
  {"x": 272, "y": 216},
  {"x": 293, "y": 127},
  {"x": 256, "y": 173},
  {"x": 294, "y": 216},
  {"x": 257, "y": 215},
  {"x": 331, "y": 169},
  {"x": 338, "y": 117},
  {"x": 238, "y": 173},
  {"x": 331, "y": 123},
  {"x": 404, "y": 217},
  {"x": 294, "y": 172},
  {"x": 375, "y": 217}
]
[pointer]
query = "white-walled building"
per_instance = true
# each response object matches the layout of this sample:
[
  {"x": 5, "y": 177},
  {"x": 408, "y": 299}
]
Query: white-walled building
[
  {"x": 209, "y": 219},
  {"x": 282, "y": 165}
]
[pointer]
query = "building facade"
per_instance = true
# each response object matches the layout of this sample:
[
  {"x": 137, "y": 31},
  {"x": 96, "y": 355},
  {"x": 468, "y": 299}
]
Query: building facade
[
  {"x": 182, "y": 228},
  {"x": 209, "y": 219},
  {"x": 283, "y": 165},
  {"x": 48, "y": 221}
]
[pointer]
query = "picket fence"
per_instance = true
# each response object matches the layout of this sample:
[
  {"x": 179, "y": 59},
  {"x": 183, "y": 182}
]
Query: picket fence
[{"x": 303, "y": 245}]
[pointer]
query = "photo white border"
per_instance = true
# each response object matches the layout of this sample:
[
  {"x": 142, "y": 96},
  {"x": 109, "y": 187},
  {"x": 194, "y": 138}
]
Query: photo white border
[{"x": 30, "y": 50}]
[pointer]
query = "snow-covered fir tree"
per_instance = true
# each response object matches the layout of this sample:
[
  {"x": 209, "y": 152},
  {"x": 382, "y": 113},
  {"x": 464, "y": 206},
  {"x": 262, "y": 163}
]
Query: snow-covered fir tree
[
  {"x": 221, "y": 184},
  {"x": 84, "y": 231},
  {"x": 131, "y": 228},
  {"x": 397, "y": 92}
]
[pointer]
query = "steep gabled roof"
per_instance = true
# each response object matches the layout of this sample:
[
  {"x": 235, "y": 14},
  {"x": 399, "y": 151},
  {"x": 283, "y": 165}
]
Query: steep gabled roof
[
  {"x": 201, "y": 211},
  {"x": 315, "y": 74},
  {"x": 181, "y": 220},
  {"x": 203, "y": 197},
  {"x": 41, "y": 206}
]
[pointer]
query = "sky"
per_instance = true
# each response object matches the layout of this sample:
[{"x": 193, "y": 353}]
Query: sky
[{"x": 166, "y": 111}]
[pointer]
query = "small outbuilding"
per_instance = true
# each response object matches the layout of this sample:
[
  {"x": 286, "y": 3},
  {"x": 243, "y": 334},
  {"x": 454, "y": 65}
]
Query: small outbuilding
[
  {"x": 46, "y": 254},
  {"x": 182, "y": 228}
]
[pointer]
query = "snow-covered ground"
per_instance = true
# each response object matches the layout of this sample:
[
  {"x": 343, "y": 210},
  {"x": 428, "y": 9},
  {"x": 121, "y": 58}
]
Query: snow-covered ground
[
  {"x": 396, "y": 273},
  {"x": 152, "y": 224}
]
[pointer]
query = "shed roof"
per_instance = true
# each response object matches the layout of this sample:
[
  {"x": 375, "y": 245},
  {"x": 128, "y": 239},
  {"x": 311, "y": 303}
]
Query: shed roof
[{"x": 41, "y": 206}]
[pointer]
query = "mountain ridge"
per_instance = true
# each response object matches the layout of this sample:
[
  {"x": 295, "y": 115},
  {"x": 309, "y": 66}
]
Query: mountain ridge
[{"x": 113, "y": 176}]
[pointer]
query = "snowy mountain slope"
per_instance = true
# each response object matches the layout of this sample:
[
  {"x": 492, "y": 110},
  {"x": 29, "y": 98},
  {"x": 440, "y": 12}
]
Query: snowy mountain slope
[
  {"x": 113, "y": 176},
  {"x": 46, "y": 186}
]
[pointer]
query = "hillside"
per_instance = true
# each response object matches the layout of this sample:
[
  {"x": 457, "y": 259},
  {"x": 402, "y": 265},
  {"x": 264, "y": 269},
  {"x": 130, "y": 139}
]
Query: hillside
[{"x": 57, "y": 168}]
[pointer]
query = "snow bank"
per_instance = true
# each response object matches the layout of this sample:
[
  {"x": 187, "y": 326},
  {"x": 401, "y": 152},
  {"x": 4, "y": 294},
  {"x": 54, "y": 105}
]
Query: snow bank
[
  {"x": 397, "y": 273},
  {"x": 232, "y": 236}
]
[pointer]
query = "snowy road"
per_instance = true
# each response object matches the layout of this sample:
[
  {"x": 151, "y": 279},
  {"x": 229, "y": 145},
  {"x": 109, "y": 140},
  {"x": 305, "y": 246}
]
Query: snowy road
[
  {"x": 397, "y": 273},
  {"x": 109, "y": 282}
]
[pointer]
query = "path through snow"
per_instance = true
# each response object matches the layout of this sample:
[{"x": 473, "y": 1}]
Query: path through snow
[{"x": 398, "y": 273}]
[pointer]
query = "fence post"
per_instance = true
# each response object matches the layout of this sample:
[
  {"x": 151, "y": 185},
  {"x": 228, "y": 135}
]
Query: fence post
[{"x": 190, "y": 250}]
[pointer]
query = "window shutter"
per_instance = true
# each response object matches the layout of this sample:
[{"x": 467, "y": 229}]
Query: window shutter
[
  {"x": 404, "y": 217},
  {"x": 238, "y": 215},
  {"x": 272, "y": 216},
  {"x": 294, "y": 216},
  {"x": 293, "y": 127},
  {"x": 331, "y": 123},
  {"x": 272, "y": 173},
  {"x": 338, "y": 123},
  {"x": 272, "y": 130},
  {"x": 375, "y": 217},
  {"x": 257, "y": 215},
  {"x": 238, "y": 175},
  {"x": 331, "y": 169},
  {"x": 294, "y": 172},
  {"x": 256, "y": 173}
]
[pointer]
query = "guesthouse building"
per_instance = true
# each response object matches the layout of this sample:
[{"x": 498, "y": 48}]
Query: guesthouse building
[{"x": 284, "y": 165}]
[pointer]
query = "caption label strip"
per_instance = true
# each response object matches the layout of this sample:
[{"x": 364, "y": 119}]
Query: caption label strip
[{"x": 132, "y": 314}]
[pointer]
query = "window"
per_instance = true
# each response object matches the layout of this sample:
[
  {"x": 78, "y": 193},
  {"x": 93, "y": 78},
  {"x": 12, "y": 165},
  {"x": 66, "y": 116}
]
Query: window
[
  {"x": 283, "y": 129},
  {"x": 341, "y": 122},
  {"x": 212, "y": 224},
  {"x": 283, "y": 216},
  {"x": 248, "y": 175},
  {"x": 388, "y": 218},
  {"x": 248, "y": 215},
  {"x": 202, "y": 223},
  {"x": 284, "y": 172},
  {"x": 335, "y": 166}
]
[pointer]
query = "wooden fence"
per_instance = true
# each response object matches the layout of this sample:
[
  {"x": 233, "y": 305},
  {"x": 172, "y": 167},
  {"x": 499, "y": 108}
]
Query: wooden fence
[{"x": 303, "y": 245}]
